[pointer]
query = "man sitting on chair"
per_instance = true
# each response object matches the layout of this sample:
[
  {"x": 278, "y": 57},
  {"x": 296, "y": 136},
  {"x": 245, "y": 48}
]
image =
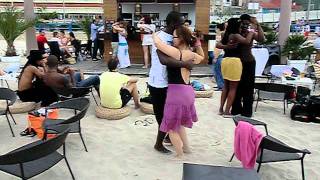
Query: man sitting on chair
[
  {"x": 67, "y": 77},
  {"x": 117, "y": 89}
]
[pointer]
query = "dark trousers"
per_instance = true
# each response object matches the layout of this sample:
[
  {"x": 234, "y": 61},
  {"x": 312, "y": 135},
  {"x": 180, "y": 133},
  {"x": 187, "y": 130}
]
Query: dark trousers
[
  {"x": 44, "y": 94},
  {"x": 158, "y": 98},
  {"x": 244, "y": 97},
  {"x": 95, "y": 48},
  {"x": 101, "y": 47}
]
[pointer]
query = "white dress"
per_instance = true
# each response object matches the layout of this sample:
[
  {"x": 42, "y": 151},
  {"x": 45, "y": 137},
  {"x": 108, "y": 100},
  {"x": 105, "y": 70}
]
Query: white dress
[
  {"x": 123, "y": 52},
  {"x": 147, "y": 38}
]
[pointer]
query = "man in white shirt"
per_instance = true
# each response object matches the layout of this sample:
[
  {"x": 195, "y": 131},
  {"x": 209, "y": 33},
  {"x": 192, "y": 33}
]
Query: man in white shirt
[
  {"x": 158, "y": 81},
  {"x": 94, "y": 39}
]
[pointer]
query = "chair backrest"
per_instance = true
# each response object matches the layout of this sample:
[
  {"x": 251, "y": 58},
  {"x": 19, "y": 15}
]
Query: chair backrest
[
  {"x": 8, "y": 95},
  {"x": 74, "y": 91},
  {"x": 272, "y": 87},
  {"x": 35, "y": 150},
  {"x": 236, "y": 119},
  {"x": 270, "y": 143},
  {"x": 78, "y": 104},
  {"x": 54, "y": 48}
]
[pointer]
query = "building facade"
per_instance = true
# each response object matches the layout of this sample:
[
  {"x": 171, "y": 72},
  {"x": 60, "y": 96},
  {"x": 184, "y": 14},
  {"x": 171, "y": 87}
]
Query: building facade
[{"x": 64, "y": 8}]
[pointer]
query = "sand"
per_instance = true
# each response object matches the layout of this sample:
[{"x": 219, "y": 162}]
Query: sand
[{"x": 120, "y": 150}]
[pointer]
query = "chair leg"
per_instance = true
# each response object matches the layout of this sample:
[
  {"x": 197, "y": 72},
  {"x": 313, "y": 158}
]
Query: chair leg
[
  {"x": 94, "y": 98},
  {"x": 7, "y": 83},
  {"x": 302, "y": 167},
  {"x": 259, "y": 166},
  {"x": 85, "y": 147},
  {"x": 231, "y": 157},
  {"x": 266, "y": 128},
  {"x": 255, "y": 110},
  {"x": 69, "y": 168},
  {"x": 284, "y": 107},
  {"x": 10, "y": 126},
  {"x": 12, "y": 117}
]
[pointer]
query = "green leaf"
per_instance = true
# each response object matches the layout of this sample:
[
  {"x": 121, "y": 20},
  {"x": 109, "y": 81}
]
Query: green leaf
[{"x": 12, "y": 25}]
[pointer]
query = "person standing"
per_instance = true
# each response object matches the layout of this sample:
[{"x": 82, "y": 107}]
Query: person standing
[
  {"x": 244, "y": 98},
  {"x": 158, "y": 80},
  {"x": 147, "y": 27},
  {"x": 42, "y": 40},
  {"x": 231, "y": 66},
  {"x": 115, "y": 38},
  {"x": 123, "y": 48},
  {"x": 94, "y": 39},
  {"x": 217, "y": 58},
  {"x": 179, "y": 110}
]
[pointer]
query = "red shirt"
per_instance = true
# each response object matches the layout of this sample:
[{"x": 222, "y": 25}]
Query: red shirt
[{"x": 41, "y": 39}]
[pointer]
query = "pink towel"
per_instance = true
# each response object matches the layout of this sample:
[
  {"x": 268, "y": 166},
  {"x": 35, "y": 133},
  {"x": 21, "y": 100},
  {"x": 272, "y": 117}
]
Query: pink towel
[{"x": 246, "y": 144}]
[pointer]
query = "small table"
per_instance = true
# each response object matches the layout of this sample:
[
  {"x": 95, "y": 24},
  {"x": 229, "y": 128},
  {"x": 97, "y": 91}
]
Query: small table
[
  {"x": 206, "y": 172},
  {"x": 306, "y": 82}
]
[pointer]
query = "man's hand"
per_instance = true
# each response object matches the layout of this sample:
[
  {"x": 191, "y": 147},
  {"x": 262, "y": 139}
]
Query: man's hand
[
  {"x": 189, "y": 64},
  {"x": 254, "y": 21},
  {"x": 231, "y": 45}
]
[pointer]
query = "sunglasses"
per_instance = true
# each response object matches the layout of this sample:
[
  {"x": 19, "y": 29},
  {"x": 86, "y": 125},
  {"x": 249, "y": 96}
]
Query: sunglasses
[{"x": 174, "y": 37}]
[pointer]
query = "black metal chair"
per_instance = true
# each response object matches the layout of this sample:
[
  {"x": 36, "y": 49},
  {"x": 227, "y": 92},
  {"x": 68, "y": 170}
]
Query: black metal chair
[
  {"x": 236, "y": 120},
  {"x": 273, "y": 92},
  {"x": 79, "y": 106},
  {"x": 74, "y": 92},
  {"x": 273, "y": 150},
  {"x": 206, "y": 172},
  {"x": 10, "y": 97},
  {"x": 35, "y": 158}
]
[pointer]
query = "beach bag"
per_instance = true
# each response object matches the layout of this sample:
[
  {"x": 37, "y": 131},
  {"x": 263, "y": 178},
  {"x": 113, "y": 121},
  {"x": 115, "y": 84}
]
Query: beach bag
[{"x": 35, "y": 122}]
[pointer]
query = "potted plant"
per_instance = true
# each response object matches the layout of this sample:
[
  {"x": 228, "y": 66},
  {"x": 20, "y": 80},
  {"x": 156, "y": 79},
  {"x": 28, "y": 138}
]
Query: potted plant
[
  {"x": 12, "y": 25},
  {"x": 297, "y": 49}
]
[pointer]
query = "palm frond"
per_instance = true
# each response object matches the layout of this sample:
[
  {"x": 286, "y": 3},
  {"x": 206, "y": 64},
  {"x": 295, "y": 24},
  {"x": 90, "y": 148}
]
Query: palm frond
[
  {"x": 85, "y": 26},
  {"x": 13, "y": 25}
]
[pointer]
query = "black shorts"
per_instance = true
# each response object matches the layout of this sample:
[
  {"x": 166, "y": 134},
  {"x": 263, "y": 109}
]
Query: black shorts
[{"x": 125, "y": 96}]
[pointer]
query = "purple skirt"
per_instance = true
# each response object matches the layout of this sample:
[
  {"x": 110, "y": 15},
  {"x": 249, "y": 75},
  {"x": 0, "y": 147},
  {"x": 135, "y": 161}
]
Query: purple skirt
[{"x": 179, "y": 109}]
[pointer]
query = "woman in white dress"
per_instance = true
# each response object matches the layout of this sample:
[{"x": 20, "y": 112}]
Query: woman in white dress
[
  {"x": 146, "y": 28},
  {"x": 123, "y": 48}
]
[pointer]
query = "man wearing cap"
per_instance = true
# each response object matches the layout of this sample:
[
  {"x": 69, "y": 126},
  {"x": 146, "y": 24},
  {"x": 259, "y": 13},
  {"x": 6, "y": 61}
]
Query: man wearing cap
[{"x": 30, "y": 85}]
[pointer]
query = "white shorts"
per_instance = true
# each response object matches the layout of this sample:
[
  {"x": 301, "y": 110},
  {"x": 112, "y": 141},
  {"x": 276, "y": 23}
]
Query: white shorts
[{"x": 147, "y": 40}]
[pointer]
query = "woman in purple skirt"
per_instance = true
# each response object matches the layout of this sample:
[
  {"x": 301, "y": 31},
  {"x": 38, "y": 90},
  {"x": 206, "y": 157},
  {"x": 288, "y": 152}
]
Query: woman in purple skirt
[{"x": 179, "y": 111}]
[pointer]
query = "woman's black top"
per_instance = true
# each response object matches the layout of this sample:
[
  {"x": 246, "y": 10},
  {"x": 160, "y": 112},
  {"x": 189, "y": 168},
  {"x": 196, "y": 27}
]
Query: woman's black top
[
  {"x": 115, "y": 37},
  {"x": 174, "y": 74}
]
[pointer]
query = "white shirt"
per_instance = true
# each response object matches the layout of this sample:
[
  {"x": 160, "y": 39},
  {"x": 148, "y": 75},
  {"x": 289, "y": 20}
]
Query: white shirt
[
  {"x": 158, "y": 77},
  {"x": 57, "y": 40},
  {"x": 316, "y": 43},
  {"x": 94, "y": 30},
  {"x": 147, "y": 27}
]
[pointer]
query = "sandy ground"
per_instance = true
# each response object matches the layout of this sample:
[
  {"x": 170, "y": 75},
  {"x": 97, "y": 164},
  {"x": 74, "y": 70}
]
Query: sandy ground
[{"x": 120, "y": 150}]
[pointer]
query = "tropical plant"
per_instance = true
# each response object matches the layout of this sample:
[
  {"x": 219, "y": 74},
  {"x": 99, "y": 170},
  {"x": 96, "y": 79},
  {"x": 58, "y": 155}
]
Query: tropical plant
[
  {"x": 42, "y": 14},
  {"x": 270, "y": 38},
  {"x": 13, "y": 25},
  {"x": 85, "y": 26},
  {"x": 297, "y": 47}
]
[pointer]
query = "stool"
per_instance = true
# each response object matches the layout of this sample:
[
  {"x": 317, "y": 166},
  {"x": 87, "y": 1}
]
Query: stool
[
  {"x": 204, "y": 94},
  {"x": 146, "y": 108},
  {"x": 112, "y": 114},
  {"x": 19, "y": 107}
]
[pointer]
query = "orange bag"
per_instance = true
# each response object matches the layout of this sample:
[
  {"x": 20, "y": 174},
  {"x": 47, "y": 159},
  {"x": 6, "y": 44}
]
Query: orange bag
[{"x": 36, "y": 123}]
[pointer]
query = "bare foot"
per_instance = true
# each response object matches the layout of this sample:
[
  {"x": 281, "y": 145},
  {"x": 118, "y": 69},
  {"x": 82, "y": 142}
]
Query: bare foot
[
  {"x": 220, "y": 111},
  {"x": 137, "y": 106},
  {"x": 178, "y": 158},
  {"x": 187, "y": 150},
  {"x": 144, "y": 67}
]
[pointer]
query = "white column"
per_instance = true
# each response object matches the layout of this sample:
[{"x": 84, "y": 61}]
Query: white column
[
  {"x": 284, "y": 23},
  {"x": 31, "y": 32}
]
